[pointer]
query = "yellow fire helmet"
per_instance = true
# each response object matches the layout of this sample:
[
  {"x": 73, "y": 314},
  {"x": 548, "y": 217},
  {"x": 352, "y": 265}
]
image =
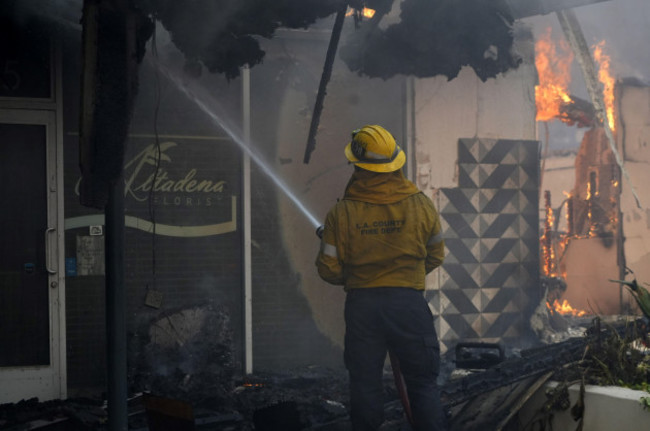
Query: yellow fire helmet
[{"x": 373, "y": 148}]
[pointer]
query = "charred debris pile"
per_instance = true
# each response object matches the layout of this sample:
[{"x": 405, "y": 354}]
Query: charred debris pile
[
  {"x": 611, "y": 352},
  {"x": 484, "y": 387},
  {"x": 292, "y": 400}
]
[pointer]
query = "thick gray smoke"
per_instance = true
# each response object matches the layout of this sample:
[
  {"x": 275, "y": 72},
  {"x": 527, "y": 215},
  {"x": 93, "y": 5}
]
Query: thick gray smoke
[{"x": 624, "y": 25}]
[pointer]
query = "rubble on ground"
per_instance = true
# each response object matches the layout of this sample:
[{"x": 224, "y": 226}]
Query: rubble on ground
[{"x": 316, "y": 398}]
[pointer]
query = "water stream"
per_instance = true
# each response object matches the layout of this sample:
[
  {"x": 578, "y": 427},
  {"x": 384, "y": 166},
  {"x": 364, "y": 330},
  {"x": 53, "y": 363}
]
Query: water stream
[{"x": 210, "y": 107}]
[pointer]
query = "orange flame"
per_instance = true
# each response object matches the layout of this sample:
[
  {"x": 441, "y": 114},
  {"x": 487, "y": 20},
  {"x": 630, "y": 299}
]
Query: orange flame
[
  {"x": 608, "y": 81},
  {"x": 367, "y": 13},
  {"x": 550, "y": 265},
  {"x": 564, "y": 308},
  {"x": 548, "y": 249},
  {"x": 554, "y": 72}
]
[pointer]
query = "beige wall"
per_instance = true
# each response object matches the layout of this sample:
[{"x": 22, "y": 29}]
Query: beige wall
[
  {"x": 466, "y": 107},
  {"x": 633, "y": 142},
  {"x": 636, "y": 221},
  {"x": 633, "y": 122},
  {"x": 589, "y": 266}
]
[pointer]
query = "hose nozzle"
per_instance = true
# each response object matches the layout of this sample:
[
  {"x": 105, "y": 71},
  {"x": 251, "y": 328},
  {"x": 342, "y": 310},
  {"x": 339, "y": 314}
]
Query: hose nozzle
[{"x": 319, "y": 231}]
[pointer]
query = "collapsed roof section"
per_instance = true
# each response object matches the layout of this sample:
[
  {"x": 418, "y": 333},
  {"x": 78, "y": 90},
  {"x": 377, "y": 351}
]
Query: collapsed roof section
[
  {"x": 221, "y": 34},
  {"x": 434, "y": 37},
  {"x": 439, "y": 37}
]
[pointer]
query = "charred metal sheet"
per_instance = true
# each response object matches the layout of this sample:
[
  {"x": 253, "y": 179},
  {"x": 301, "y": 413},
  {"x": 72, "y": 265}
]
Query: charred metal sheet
[
  {"x": 488, "y": 399},
  {"x": 492, "y": 410},
  {"x": 578, "y": 112},
  {"x": 532, "y": 363},
  {"x": 478, "y": 355}
]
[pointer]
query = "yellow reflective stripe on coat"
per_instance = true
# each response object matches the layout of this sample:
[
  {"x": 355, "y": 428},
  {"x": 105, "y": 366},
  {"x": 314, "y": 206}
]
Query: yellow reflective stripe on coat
[{"x": 328, "y": 249}]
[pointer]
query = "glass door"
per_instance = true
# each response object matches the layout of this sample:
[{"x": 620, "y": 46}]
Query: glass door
[{"x": 31, "y": 329}]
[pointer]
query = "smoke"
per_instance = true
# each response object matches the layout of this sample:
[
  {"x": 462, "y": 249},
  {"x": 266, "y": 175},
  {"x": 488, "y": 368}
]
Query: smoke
[
  {"x": 624, "y": 25},
  {"x": 64, "y": 13}
]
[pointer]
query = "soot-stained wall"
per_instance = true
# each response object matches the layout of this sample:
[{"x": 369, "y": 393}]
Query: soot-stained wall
[
  {"x": 191, "y": 199},
  {"x": 286, "y": 327},
  {"x": 190, "y": 274}
]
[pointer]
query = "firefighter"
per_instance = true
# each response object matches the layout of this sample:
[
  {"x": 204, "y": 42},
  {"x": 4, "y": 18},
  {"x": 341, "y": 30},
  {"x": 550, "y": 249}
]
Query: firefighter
[{"x": 379, "y": 242}]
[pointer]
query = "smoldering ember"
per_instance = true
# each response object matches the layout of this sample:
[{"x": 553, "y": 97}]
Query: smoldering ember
[{"x": 167, "y": 165}]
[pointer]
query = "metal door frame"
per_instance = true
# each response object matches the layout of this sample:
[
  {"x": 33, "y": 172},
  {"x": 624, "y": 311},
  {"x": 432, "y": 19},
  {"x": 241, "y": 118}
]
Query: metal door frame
[{"x": 45, "y": 382}]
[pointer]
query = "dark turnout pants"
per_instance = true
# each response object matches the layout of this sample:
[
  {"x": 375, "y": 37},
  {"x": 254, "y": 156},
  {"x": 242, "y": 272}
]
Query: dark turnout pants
[{"x": 399, "y": 319}]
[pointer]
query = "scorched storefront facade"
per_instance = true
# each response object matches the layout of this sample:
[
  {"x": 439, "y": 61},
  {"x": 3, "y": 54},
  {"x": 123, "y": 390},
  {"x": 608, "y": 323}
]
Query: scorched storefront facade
[{"x": 220, "y": 245}]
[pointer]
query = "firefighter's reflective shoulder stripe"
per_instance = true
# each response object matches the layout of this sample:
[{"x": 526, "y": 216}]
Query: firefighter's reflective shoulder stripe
[{"x": 328, "y": 249}]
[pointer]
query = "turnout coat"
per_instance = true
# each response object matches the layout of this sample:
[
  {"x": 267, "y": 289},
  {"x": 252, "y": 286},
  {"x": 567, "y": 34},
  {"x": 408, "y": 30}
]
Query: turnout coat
[{"x": 384, "y": 233}]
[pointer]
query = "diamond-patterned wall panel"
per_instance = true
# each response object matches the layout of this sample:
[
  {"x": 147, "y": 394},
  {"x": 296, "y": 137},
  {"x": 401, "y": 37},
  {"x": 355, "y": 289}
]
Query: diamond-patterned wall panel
[{"x": 490, "y": 228}]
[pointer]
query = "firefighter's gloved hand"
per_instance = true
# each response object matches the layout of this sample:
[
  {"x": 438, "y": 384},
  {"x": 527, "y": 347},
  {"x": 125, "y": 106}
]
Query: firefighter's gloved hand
[{"x": 319, "y": 231}]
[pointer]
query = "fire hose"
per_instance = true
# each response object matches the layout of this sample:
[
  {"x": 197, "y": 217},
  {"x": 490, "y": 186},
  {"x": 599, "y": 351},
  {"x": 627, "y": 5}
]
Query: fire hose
[{"x": 401, "y": 386}]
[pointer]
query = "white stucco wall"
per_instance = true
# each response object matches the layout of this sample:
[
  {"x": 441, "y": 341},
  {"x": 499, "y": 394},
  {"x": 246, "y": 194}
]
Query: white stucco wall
[
  {"x": 466, "y": 107},
  {"x": 636, "y": 220},
  {"x": 633, "y": 140},
  {"x": 605, "y": 408}
]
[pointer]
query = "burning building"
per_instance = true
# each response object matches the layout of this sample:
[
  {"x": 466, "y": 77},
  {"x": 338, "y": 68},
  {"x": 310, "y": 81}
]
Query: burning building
[
  {"x": 589, "y": 248},
  {"x": 219, "y": 243}
]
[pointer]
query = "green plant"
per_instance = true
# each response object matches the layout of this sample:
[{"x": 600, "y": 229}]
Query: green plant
[
  {"x": 645, "y": 402},
  {"x": 611, "y": 358}
]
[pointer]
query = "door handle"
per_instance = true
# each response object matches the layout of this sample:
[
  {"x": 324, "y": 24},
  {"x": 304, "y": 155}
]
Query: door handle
[{"x": 47, "y": 250}]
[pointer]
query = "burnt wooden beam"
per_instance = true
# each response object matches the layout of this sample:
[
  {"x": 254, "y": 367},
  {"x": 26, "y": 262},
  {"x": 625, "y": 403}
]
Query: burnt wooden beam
[
  {"x": 578, "y": 112},
  {"x": 325, "y": 77}
]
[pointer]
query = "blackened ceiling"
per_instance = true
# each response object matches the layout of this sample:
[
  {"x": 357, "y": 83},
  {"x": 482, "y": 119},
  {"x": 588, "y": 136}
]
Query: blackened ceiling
[
  {"x": 221, "y": 34},
  {"x": 434, "y": 37}
]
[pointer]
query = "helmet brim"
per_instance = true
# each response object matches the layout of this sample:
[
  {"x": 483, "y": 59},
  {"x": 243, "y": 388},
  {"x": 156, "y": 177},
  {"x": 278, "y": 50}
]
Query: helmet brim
[{"x": 392, "y": 166}]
